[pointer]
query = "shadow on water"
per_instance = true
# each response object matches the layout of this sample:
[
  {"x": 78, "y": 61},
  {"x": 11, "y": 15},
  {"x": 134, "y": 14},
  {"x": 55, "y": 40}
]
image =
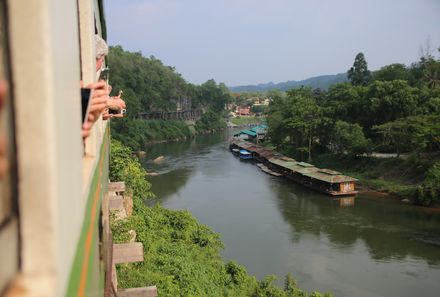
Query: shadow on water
[{"x": 389, "y": 230}]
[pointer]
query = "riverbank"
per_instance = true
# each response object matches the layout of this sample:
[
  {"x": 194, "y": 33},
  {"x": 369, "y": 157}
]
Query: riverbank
[
  {"x": 206, "y": 132},
  {"x": 139, "y": 133},
  {"x": 397, "y": 177}
]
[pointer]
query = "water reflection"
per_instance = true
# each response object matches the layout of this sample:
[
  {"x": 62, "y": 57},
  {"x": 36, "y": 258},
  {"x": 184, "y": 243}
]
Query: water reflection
[
  {"x": 179, "y": 162},
  {"x": 170, "y": 183},
  {"x": 391, "y": 231}
]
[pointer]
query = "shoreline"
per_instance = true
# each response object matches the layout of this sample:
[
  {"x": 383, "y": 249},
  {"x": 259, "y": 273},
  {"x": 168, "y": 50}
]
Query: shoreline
[{"x": 363, "y": 189}]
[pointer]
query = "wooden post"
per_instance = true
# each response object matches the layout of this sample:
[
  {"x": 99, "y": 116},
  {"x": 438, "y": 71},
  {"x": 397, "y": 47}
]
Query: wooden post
[
  {"x": 128, "y": 252},
  {"x": 138, "y": 292}
]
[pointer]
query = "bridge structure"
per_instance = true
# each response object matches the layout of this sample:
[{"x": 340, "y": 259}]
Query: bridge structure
[{"x": 183, "y": 115}]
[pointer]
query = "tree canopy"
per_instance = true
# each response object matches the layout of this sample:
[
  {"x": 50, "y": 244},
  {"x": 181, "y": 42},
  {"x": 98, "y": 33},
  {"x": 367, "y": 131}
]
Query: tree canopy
[
  {"x": 149, "y": 85},
  {"x": 359, "y": 75},
  {"x": 394, "y": 110}
]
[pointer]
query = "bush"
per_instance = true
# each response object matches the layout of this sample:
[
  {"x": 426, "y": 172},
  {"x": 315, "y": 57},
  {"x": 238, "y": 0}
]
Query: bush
[
  {"x": 124, "y": 167},
  {"x": 210, "y": 121},
  {"x": 137, "y": 133},
  {"x": 349, "y": 138},
  {"x": 429, "y": 191}
]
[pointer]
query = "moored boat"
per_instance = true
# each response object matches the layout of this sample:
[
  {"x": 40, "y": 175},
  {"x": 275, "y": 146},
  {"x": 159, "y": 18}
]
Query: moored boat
[
  {"x": 265, "y": 169},
  {"x": 323, "y": 180},
  {"x": 245, "y": 154}
]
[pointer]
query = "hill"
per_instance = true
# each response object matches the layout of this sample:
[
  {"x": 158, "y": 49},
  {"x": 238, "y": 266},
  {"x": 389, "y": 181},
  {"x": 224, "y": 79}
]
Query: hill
[{"x": 323, "y": 82}]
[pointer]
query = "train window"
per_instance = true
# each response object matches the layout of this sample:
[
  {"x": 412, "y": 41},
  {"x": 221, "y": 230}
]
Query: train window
[{"x": 9, "y": 257}]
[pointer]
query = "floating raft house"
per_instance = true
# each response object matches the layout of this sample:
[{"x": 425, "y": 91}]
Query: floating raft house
[{"x": 324, "y": 180}]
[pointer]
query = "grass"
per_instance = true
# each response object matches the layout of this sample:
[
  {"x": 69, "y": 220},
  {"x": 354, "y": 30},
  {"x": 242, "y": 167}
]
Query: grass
[{"x": 247, "y": 120}]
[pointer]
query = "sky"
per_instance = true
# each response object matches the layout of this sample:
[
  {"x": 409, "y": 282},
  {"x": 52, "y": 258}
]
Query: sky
[{"x": 242, "y": 42}]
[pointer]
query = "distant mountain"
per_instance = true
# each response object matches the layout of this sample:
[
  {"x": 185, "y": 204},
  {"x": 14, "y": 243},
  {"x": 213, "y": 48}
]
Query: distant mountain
[{"x": 323, "y": 82}]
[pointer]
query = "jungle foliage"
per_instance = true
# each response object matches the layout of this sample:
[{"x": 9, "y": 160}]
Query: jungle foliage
[
  {"x": 182, "y": 256},
  {"x": 149, "y": 85},
  {"x": 393, "y": 110}
]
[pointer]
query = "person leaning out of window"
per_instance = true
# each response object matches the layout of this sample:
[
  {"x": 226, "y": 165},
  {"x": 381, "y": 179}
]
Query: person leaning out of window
[{"x": 100, "y": 101}]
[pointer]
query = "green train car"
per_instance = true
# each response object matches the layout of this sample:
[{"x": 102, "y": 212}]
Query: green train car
[{"x": 51, "y": 228}]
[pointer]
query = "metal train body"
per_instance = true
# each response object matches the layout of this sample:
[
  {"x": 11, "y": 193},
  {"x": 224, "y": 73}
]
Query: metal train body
[{"x": 50, "y": 203}]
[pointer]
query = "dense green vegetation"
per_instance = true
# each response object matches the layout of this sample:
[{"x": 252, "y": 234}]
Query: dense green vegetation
[
  {"x": 393, "y": 110},
  {"x": 392, "y": 175},
  {"x": 210, "y": 121},
  {"x": 149, "y": 85},
  {"x": 247, "y": 120},
  {"x": 182, "y": 257},
  {"x": 136, "y": 133}
]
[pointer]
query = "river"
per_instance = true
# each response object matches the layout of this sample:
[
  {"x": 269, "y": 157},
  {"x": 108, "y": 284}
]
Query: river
[{"x": 378, "y": 247}]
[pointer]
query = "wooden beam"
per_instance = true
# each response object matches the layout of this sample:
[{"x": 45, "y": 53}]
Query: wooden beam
[
  {"x": 111, "y": 195},
  {"x": 114, "y": 279},
  {"x": 108, "y": 262},
  {"x": 116, "y": 187},
  {"x": 128, "y": 204},
  {"x": 138, "y": 292},
  {"x": 128, "y": 252},
  {"x": 116, "y": 202}
]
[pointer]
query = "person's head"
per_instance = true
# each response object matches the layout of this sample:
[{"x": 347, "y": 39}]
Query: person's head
[{"x": 101, "y": 51}]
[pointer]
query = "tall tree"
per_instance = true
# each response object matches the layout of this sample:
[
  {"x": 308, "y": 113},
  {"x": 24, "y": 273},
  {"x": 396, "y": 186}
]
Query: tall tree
[
  {"x": 293, "y": 121},
  {"x": 359, "y": 75}
]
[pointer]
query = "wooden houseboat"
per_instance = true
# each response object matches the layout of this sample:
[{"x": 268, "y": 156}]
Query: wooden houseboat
[
  {"x": 257, "y": 133},
  {"x": 265, "y": 169},
  {"x": 324, "y": 180}
]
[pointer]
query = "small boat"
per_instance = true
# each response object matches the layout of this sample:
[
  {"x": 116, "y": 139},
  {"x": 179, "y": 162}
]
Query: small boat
[
  {"x": 235, "y": 151},
  {"x": 245, "y": 155},
  {"x": 267, "y": 170}
]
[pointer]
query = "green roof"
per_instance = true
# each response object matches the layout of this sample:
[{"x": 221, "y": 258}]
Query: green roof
[
  {"x": 248, "y": 132},
  {"x": 259, "y": 127},
  {"x": 309, "y": 170},
  {"x": 286, "y": 164},
  {"x": 330, "y": 178},
  {"x": 252, "y": 132},
  {"x": 306, "y": 169}
]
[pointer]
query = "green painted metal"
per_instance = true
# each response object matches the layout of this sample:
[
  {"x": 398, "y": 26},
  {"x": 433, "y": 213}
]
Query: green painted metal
[{"x": 91, "y": 269}]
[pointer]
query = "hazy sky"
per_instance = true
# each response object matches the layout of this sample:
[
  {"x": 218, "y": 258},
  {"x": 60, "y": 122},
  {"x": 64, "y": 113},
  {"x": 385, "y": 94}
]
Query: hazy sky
[{"x": 256, "y": 41}]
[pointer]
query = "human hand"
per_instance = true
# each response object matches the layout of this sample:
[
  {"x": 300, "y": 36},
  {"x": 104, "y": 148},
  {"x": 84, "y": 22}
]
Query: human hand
[
  {"x": 117, "y": 115},
  {"x": 99, "y": 99},
  {"x": 87, "y": 126},
  {"x": 106, "y": 115},
  {"x": 116, "y": 103}
]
